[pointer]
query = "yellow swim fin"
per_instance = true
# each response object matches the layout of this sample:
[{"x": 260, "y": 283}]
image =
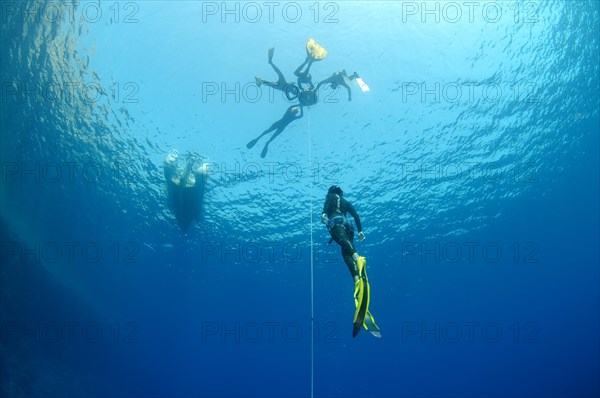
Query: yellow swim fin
[
  {"x": 362, "y": 297},
  {"x": 315, "y": 51}
]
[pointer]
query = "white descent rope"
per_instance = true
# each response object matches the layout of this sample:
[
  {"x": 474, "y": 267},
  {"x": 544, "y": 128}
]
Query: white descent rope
[{"x": 312, "y": 308}]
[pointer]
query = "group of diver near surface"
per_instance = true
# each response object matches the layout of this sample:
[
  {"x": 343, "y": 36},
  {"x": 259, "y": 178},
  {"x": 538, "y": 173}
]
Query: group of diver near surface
[
  {"x": 303, "y": 90},
  {"x": 185, "y": 185}
]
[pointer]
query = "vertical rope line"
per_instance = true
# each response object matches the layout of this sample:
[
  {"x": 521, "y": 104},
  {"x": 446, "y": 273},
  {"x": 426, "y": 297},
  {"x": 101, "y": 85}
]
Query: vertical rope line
[{"x": 312, "y": 308}]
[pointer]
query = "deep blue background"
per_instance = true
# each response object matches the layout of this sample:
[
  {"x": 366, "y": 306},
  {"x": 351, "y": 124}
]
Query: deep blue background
[{"x": 225, "y": 308}]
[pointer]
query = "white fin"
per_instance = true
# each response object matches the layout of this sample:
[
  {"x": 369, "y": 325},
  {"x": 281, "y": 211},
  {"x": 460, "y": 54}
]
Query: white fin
[{"x": 363, "y": 86}]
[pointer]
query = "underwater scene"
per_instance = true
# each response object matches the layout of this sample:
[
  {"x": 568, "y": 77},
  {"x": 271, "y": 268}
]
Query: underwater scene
[{"x": 299, "y": 198}]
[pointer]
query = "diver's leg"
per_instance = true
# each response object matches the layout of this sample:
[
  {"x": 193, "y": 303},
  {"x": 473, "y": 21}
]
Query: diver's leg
[
  {"x": 349, "y": 249},
  {"x": 352, "y": 255},
  {"x": 281, "y": 82},
  {"x": 304, "y": 76},
  {"x": 280, "y": 78},
  {"x": 351, "y": 264},
  {"x": 266, "y": 147},
  {"x": 339, "y": 235},
  {"x": 267, "y": 131},
  {"x": 347, "y": 246},
  {"x": 281, "y": 124},
  {"x": 298, "y": 69},
  {"x": 260, "y": 82},
  {"x": 359, "y": 261},
  {"x": 307, "y": 62}
]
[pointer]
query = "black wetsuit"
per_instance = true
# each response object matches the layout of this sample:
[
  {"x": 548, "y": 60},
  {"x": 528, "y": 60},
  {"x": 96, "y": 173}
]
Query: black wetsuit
[
  {"x": 304, "y": 78},
  {"x": 290, "y": 90},
  {"x": 340, "y": 228},
  {"x": 292, "y": 113},
  {"x": 339, "y": 79},
  {"x": 304, "y": 92},
  {"x": 307, "y": 96}
]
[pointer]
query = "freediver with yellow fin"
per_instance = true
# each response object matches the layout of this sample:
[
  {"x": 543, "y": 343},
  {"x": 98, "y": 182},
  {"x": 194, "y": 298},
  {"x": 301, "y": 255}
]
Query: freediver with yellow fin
[
  {"x": 341, "y": 230},
  {"x": 314, "y": 52}
]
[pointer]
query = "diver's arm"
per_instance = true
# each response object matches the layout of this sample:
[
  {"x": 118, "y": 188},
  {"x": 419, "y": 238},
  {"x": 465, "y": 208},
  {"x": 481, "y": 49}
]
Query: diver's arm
[
  {"x": 354, "y": 214},
  {"x": 353, "y": 76},
  {"x": 361, "y": 235},
  {"x": 328, "y": 80},
  {"x": 328, "y": 206},
  {"x": 349, "y": 90}
]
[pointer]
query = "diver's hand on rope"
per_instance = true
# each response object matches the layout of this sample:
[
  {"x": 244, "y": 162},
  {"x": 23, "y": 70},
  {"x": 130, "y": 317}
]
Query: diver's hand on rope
[{"x": 361, "y": 236}]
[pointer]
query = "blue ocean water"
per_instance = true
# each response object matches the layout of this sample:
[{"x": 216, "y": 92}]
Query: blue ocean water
[{"x": 473, "y": 162}]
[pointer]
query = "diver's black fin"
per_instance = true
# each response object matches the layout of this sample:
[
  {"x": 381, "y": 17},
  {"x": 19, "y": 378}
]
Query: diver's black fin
[
  {"x": 264, "y": 151},
  {"x": 271, "y": 52},
  {"x": 356, "y": 329}
]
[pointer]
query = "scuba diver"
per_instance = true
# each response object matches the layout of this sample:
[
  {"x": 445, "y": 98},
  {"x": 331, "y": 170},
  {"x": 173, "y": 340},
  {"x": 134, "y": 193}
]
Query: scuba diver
[
  {"x": 334, "y": 213},
  {"x": 292, "y": 113},
  {"x": 339, "y": 79},
  {"x": 185, "y": 187}
]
